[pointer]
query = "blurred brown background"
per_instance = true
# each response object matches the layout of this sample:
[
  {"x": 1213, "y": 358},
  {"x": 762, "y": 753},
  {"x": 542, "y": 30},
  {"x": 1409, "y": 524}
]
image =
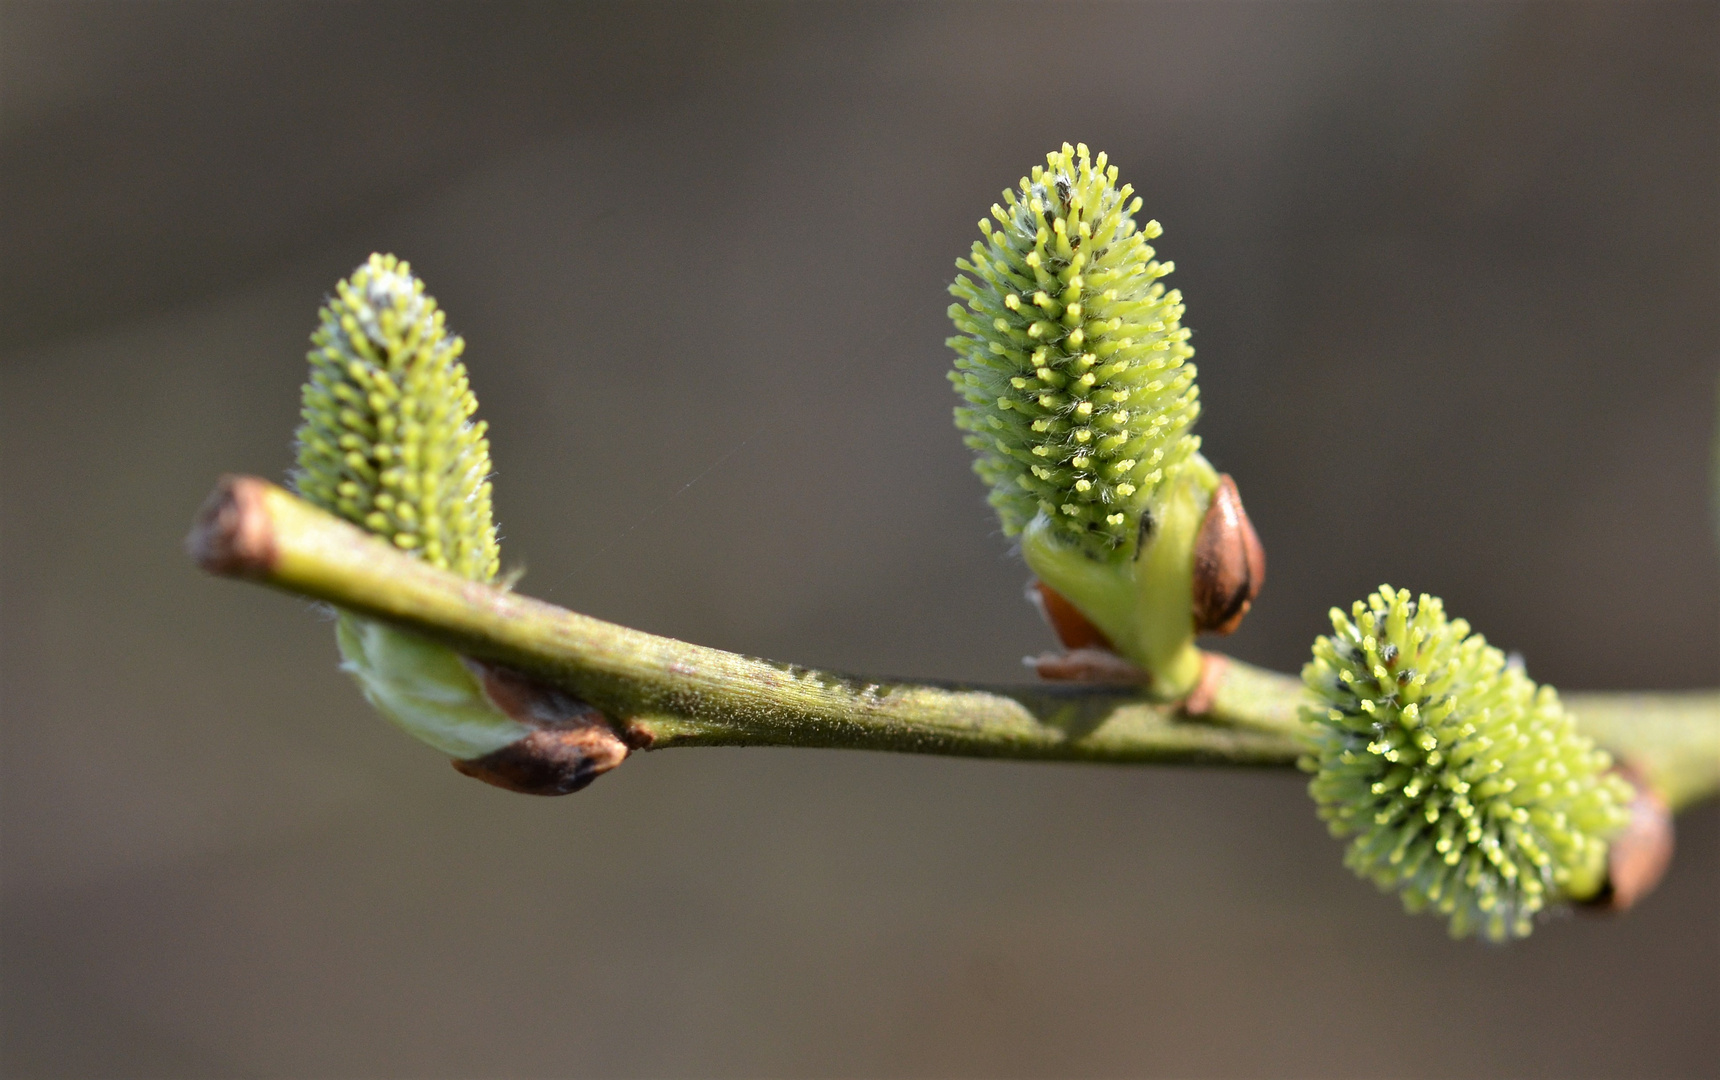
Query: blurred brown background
[{"x": 1452, "y": 271}]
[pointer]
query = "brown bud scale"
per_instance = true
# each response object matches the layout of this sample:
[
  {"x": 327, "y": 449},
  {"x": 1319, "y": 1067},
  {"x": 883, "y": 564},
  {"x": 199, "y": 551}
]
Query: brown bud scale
[
  {"x": 1638, "y": 856},
  {"x": 572, "y": 744},
  {"x": 1072, "y": 628},
  {"x": 1229, "y": 563}
]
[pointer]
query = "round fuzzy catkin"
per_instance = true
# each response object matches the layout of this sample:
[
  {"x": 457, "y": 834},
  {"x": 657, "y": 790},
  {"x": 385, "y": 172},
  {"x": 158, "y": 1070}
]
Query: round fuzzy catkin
[
  {"x": 1071, "y": 355},
  {"x": 1466, "y": 787},
  {"x": 388, "y": 440}
]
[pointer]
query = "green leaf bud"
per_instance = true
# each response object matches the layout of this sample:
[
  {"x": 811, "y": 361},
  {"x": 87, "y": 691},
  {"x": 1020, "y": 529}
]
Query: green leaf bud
[
  {"x": 424, "y": 688},
  {"x": 1465, "y": 786}
]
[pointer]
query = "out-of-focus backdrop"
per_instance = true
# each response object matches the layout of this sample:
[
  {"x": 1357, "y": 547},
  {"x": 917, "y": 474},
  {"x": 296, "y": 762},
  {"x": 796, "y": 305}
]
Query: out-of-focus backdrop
[{"x": 1451, "y": 270}]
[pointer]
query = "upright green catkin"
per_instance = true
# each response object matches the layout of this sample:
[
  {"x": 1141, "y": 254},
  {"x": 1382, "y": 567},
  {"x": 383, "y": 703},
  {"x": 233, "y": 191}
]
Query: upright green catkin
[
  {"x": 1071, "y": 355},
  {"x": 388, "y": 439},
  {"x": 388, "y": 442},
  {"x": 1466, "y": 787}
]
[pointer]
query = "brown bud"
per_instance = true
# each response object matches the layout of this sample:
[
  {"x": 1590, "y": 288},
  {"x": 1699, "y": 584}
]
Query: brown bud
[
  {"x": 1072, "y": 628},
  {"x": 1229, "y": 563},
  {"x": 1638, "y": 856},
  {"x": 1205, "y": 692},
  {"x": 571, "y": 744}
]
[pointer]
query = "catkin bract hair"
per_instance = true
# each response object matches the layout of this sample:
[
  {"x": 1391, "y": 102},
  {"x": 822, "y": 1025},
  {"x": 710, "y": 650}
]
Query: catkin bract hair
[
  {"x": 1071, "y": 355},
  {"x": 388, "y": 440},
  {"x": 1465, "y": 787}
]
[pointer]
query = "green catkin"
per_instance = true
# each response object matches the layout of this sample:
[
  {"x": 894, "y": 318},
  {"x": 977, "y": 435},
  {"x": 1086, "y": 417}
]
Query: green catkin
[
  {"x": 388, "y": 440},
  {"x": 389, "y": 443},
  {"x": 1465, "y": 786},
  {"x": 1071, "y": 355}
]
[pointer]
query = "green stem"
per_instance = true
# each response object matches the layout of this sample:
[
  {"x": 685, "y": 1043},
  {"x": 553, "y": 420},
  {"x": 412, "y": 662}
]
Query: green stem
[
  {"x": 1673, "y": 738},
  {"x": 670, "y": 693}
]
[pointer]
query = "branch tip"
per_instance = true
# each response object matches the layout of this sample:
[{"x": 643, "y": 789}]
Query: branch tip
[{"x": 233, "y": 535}]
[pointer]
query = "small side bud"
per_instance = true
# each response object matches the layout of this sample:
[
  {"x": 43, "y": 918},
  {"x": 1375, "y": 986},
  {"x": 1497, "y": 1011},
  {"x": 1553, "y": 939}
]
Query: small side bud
[
  {"x": 1229, "y": 563},
  {"x": 1074, "y": 631},
  {"x": 570, "y": 743},
  {"x": 1638, "y": 856}
]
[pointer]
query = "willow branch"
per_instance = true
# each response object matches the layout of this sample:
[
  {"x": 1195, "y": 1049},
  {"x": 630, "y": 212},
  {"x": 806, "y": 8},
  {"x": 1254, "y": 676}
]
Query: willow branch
[{"x": 671, "y": 693}]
